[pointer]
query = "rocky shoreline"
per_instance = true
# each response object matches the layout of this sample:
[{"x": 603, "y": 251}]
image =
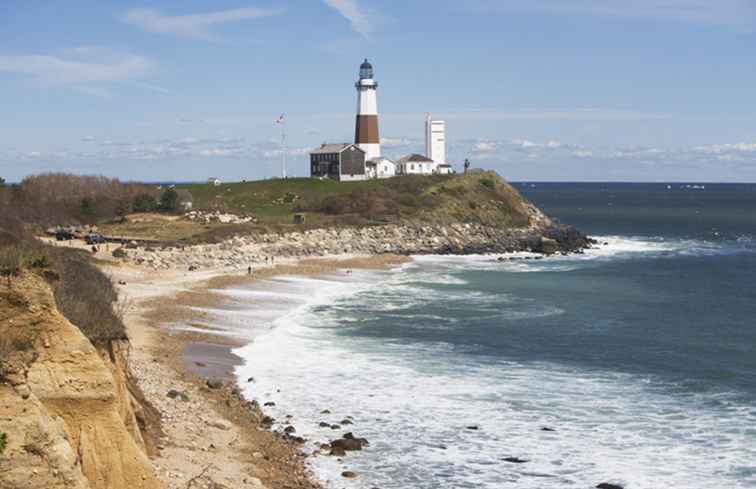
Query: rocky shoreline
[{"x": 407, "y": 239}]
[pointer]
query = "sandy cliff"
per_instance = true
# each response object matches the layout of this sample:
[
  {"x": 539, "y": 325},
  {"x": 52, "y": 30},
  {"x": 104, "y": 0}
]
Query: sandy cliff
[{"x": 70, "y": 416}]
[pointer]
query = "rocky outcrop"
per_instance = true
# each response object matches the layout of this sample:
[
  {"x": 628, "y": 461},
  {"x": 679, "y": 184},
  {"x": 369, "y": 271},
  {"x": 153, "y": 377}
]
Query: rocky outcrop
[
  {"x": 542, "y": 236},
  {"x": 70, "y": 417}
]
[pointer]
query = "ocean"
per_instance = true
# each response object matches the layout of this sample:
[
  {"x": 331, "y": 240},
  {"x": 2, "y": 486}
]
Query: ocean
[{"x": 634, "y": 363}]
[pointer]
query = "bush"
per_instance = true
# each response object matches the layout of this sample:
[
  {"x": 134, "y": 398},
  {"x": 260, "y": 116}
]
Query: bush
[
  {"x": 169, "y": 200},
  {"x": 488, "y": 183},
  {"x": 86, "y": 297},
  {"x": 144, "y": 202},
  {"x": 11, "y": 261},
  {"x": 3, "y": 441}
]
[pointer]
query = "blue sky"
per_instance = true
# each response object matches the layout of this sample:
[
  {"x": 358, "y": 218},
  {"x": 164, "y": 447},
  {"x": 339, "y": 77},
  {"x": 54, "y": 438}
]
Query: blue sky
[{"x": 577, "y": 90}]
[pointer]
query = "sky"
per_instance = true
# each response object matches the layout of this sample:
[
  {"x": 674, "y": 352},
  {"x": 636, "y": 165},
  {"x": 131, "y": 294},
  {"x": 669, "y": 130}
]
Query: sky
[{"x": 538, "y": 90}]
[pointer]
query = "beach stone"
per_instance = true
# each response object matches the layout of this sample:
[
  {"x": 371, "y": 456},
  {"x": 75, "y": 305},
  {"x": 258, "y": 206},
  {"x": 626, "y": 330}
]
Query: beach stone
[
  {"x": 214, "y": 383},
  {"x": 290, "y": 429},
  {"x": 174, "y": 394},
  {"x": 323, "y": 424},
  {"x": 325, "y": 411},
  {"x": 337, "y": 452},
  {"x": 221, "y": 424},
  {"x": 473, "y": 427},
  {"x": 348, "y": 474},
  {"x": 546, "y": 428},
  {"x": 514, "y": 460},
  {"x": 608, "y": 485},
  {"x": 346, "y": 421},
  {"x": 269, "y": 404},
  {"x": 335, "y": 427},
  {"x": 350, "y": 443}
]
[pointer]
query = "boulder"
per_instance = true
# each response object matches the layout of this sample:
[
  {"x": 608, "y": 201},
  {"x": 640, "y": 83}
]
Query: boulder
[{"x": 548, "y": 246}]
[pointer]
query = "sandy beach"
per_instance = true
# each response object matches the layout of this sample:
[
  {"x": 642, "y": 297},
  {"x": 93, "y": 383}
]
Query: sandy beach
[{"x": 211, "y": 436}]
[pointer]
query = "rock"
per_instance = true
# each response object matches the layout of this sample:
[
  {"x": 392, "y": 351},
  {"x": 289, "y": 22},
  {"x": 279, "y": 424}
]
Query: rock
[
  {"x": 548, "y": 246},
  {"x": 473, "y": 427},
  {"x": 221, "y": 424},
  {"x": 267, "y": 421},
  {"x": 607, "y": 485},
  {"x": 214, "y": 384},
  {"x": 200, "y": 364},
  {"x": 350, "y": 443},
  {"x": 251, "y": 379},
  {"x": 346, "y": 421},
  {"x": 348, "y": 474},
  {"x": 335, "y": 427},
  {"x": 546, "y": 428},
  {"x": 337, "y": 452},
  {"x": 514, "y": 460},
  {"x": 290, "y": 429},
  {"x": 269, "y": 404},
  {"x": 325, "y": 411},
  {"x": 173, "y": 394},
  {"x": 323, "y": 424}
]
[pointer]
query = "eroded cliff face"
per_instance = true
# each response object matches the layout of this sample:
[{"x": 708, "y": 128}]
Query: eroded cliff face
[{"x": 69, "y": 417}]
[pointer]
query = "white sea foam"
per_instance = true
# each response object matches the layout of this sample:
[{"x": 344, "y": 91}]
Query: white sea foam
[{"x": 414, "y": 401}]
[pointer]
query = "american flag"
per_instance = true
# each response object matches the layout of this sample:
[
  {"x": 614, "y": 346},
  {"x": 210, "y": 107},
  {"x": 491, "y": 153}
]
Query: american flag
[{"x": 280, "y": 119}]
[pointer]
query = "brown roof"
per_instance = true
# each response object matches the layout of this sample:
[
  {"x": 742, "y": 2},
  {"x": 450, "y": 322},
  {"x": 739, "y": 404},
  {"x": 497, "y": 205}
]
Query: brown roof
[
  {"x": 414, "y": 158},
  {"x": 333, "y": 148}
]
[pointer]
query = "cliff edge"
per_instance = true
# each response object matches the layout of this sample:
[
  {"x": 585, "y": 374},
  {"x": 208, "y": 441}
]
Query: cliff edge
[{"x": 68, "y": 417}]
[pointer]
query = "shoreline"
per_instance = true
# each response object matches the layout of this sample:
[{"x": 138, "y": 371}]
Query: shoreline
[{"x": 211, "y": 432}]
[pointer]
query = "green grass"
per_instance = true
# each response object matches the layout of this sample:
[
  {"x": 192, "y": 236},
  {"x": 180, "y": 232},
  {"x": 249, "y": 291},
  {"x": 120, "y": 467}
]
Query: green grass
[
  {"x": 271, "y": 200},
  {"x": 479, "y": 197},
  {"x": 476, "y": 197}
]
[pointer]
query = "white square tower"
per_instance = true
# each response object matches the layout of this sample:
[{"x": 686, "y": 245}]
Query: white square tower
[{"x": 435, "y": 140}]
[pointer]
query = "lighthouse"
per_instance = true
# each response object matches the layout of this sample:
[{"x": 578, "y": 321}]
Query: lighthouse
[{"x": 366, "y": 129}]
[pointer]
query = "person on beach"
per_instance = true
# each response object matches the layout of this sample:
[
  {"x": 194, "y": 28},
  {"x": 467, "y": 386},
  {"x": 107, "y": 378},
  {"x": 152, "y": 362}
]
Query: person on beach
[{"x": 249, "y": 270}]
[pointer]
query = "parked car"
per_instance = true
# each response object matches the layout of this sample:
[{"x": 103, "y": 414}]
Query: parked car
[
  {"x": 63, "y": 235},
  {"x": 94, "y": 238}
]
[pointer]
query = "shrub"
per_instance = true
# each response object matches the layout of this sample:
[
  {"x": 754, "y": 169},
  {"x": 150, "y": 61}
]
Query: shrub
[
  {"x": 144, "y": 202},
  {"x": 11, "y": 261},
  {"x": 88, "y": 207},
  {"x": 3, "y": 441},
  {"x": 169, "y": 200},
  {"x": 488, "y": 183},
  {"x": 86, "y": 297}
]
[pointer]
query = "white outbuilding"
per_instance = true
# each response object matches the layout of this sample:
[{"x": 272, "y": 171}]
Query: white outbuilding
[
  {"x": 380, "y": 168},
  {"x": 415, "y": 164}
]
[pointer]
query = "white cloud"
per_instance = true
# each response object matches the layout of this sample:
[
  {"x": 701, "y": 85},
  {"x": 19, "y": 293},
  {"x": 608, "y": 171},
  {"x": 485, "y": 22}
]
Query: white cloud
[
  {"x": 397, "y": 142},
  {"x": 728, "y": 148},
  {"x": 357, "y": 17},
  {"x": 193, "y": 26},
  {"x": 71, "y": 71},
  {"x": 485, "y": 147}
]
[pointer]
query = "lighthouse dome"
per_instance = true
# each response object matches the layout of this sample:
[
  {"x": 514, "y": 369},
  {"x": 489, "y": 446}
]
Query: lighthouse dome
[{"x": 366, "y": 70}]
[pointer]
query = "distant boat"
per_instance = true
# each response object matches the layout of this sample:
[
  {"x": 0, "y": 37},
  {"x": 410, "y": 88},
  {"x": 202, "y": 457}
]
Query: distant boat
[{"x": 669, "y": 187}]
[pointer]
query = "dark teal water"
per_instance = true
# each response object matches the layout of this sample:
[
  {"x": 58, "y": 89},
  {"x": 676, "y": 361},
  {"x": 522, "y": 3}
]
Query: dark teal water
[{"x": 640, "y": 355}]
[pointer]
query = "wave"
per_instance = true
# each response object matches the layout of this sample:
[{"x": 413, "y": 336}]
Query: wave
[{"x": 415, "y": 404}]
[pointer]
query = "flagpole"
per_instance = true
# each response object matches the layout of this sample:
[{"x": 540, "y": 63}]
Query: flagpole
[{"x": 283, "y": 148}]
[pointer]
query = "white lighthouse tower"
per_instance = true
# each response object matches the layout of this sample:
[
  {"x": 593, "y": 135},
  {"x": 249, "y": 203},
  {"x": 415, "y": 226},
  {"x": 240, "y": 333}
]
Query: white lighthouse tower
[{"x": 366, "y": 131}]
